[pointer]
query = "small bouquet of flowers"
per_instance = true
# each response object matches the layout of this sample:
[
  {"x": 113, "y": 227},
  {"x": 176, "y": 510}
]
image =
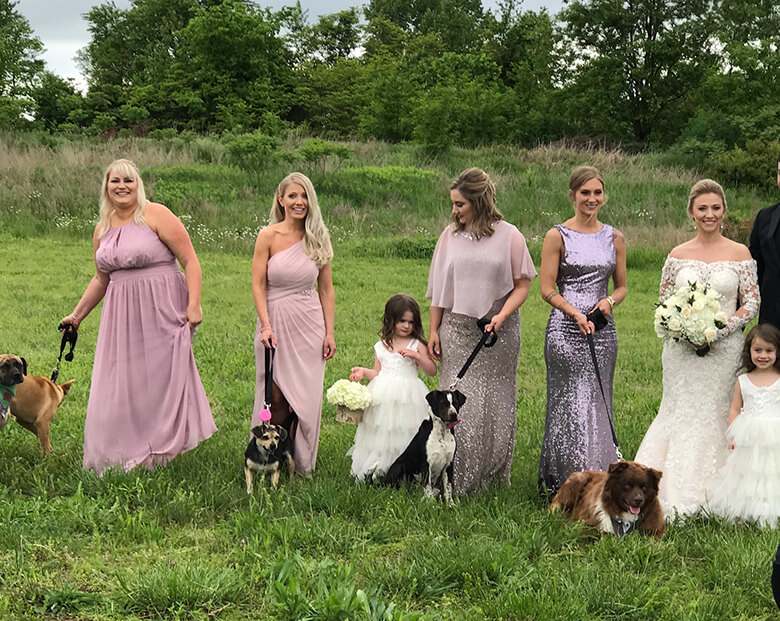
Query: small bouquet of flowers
[
  {"x": 351, "y": 398},
  {"x": 691, "y": 313}
]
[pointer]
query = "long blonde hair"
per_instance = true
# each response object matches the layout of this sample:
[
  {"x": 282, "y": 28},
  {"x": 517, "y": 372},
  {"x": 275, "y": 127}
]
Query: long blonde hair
[
  {"x": 123, "y": 168},
  {"x": 316, "y": 239},
  {"x": 477, "y": 188}
]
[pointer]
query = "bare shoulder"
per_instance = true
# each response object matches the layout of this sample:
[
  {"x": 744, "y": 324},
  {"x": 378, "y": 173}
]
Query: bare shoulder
[
  {"x": 736, "y": 251},
  {"x": 553, "y": 236},
  {"x": 156, "y": 214},
  {"x": 618, "y": 237},
  {"x": 683, "y": 251}
]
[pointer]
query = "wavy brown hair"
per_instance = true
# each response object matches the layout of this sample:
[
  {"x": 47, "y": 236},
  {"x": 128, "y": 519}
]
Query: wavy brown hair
[
  {"x": 477, "y": 188},
  {"x": 766, "y": 332},
  {"x": 395, "y": 308}
]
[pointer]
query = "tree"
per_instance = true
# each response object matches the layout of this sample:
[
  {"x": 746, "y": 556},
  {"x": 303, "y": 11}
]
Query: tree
[
  {"x": 638, "y": 60},
  {"x": 55, "y": 100},
  {"x": 19, "y": 66}
]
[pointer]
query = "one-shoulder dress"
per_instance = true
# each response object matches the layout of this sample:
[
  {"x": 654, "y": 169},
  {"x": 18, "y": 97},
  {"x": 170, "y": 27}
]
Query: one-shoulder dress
[
  {"x": 297, "y": 320},
  {"x": 146, "y": 401}
]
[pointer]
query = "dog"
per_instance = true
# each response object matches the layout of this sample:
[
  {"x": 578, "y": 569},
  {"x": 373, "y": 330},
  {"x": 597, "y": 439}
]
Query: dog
[
  {"x": 623, "y": 499},
  {"x": 36, "y": 400},
  {"x": 12, "y": 372},
  {"x": 429, "y": 455},
  {"x": 268, "y": 452}
]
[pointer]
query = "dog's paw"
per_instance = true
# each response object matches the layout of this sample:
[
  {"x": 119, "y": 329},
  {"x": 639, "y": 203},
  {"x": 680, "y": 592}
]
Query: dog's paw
[{"x": 432, "y": 492}]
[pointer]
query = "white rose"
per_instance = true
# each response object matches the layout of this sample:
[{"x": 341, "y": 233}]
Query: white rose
[
  {"x": 699, "y": 304},
  {"x": 675, "y": 325},
  {"x": 686, "y": 311},
  {"x": 710, "y": 334}
]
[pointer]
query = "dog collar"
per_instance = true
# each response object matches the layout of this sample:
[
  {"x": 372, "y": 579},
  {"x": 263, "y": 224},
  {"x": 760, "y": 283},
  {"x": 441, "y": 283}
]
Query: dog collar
[
  {"x": 7, "y": 394},
  {"x": 452, "y": 425},
  {"x": 622, "y": 527}
]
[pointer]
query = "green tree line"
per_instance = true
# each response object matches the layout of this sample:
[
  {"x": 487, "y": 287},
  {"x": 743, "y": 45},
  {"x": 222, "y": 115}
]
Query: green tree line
[{"x": 698, "y": 78}]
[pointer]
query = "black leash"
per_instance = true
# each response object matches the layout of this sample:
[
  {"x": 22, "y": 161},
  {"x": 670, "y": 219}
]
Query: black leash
[
  {"x": 592, "y": 347},
  {"x": 265, "y": 413},
  {"x": 488, "y": 340},
  {"x": 70, "y": 335}
]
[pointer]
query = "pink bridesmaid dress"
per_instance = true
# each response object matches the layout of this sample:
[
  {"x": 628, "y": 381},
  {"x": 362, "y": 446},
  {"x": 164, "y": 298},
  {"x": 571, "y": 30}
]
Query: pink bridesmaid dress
[
  {"x": 146, "y": 402},
  {"x": 299, "y": 327}
]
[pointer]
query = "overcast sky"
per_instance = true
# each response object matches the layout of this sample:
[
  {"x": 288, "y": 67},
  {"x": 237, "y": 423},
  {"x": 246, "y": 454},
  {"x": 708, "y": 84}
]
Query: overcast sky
[{"x": 63, "y": 30}]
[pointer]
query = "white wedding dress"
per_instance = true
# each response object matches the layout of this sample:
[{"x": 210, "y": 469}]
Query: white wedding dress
[{"x": 687, "y": 439}]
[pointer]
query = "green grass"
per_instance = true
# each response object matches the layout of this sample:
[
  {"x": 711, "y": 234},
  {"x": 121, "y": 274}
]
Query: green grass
[{"x": 186, "y": 542}]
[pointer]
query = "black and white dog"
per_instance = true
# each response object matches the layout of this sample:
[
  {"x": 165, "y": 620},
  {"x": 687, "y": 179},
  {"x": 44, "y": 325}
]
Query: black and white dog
[
  {"x": 269, "y": 451},
  {"x": 428, "y": 458}
]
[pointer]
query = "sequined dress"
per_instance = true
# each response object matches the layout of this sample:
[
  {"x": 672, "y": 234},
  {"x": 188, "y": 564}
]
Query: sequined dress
[
  {"x": 687, "y": 439},
  {"x": 577, "y": 433},
  {"x": 398, "y": 407},
  {"x": 748, "y": 486}
]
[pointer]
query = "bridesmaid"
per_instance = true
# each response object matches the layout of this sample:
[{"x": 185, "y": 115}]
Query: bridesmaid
[
  {"x": 146, "y": 402},
  {"x": 481, "y": 268},
  {"x": 580, "y": 256},
  {"x": 293, "y": 254}
]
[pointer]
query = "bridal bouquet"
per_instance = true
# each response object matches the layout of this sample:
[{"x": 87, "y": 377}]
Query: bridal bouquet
[
  {"x": 351, "y": 398},
  {"x": 691, "y": 313}
]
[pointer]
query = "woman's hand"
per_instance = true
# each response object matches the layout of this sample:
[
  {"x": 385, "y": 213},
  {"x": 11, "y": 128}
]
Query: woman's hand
[
  {"x": 357, "y": 374},
  {"x": 328, "y": 347},
  {"x": 604, "y": 306},
  {"x": 585, "y": 326},
  {"x": 434, "y": 346},
  {"x": 731, "y": 446},
  {"x": 70, "y": 320},
  {"x": 194, "y": 315},
  {"x": 495, "y": 323},
  {"x": 267, "y": 337}
]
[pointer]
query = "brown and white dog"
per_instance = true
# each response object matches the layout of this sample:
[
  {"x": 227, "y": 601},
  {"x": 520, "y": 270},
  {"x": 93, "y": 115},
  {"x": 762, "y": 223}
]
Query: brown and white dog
[
  {"x": 36, "y": 400},
  {"x": 623, "y": 499}
]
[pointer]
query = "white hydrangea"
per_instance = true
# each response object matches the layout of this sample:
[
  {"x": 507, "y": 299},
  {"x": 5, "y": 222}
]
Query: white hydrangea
[{"x": 352, "y": 395}]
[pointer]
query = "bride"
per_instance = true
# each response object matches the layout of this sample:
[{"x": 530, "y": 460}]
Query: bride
[{"x": 687, "y": 438}]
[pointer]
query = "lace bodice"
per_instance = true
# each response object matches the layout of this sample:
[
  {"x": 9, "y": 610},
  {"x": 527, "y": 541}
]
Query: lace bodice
[
  {"x": 394, "y": 363},
  {"x": 735, "y": 281},
  {"x": 760, "y": 400}
]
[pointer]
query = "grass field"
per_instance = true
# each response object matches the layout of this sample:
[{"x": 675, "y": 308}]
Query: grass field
[{"x": 186, "y": 542}]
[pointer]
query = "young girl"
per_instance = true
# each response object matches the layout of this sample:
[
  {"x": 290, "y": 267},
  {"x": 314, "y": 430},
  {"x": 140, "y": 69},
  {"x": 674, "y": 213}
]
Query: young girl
[
  {"x": 749, "y": 483},
  {"x": 398, "y": 395}
]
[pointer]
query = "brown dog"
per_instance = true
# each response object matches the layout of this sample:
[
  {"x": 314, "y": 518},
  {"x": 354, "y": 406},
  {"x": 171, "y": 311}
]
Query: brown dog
[
  {"x": 12, "y": 372},
  {"x": 36, "y": 400},
  {"x": 623, "y": 499}
]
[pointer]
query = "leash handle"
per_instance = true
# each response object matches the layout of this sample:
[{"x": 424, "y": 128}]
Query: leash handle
[
  {"x": 70, "y": 335},
  {"x": 592, "y": 347},
  {"x": 488, "y": 340}
]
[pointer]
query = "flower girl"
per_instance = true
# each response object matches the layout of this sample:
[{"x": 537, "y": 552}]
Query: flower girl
[
  {"x": 398, "y": 403},
  {"x": 749, "y": 483}
]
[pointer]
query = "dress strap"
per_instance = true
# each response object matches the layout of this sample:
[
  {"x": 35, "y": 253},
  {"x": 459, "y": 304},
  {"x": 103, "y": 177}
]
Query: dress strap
[{"x": 413, "y": 344}]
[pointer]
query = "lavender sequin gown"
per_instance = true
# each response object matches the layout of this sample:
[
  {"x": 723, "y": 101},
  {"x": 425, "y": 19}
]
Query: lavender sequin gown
[{"x": 577, "y": 433}]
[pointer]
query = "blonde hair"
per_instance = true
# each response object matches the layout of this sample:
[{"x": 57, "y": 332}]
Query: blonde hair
[
  {"x": 582, "y": 174},
  {"x": 123, "y": 168},
  {"x": 705, "y": 186},
  {"x": 316, "y": 240},
  {"x": 477, "y": 188}
]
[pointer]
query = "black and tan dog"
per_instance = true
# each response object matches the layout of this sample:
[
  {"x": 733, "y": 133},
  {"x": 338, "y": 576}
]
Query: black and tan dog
[
  {"x": 623, "y": 499},
  {"x": 268, "y": 452},
  {"x": 429, "y": 456},
  {"x": 36, "y": 398}
]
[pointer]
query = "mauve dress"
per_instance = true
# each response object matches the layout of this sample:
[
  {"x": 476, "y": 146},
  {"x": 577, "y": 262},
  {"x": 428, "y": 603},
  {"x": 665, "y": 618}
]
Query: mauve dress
[
  {"x": 298, "y": 323},
  {"x": 577, "y": 433},
  {"x": 471, "y": 278},
  {"x": 146, "y": 402}
]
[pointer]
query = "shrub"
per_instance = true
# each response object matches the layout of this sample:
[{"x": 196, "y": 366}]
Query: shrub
[
  {"x": 252, "y": 151},
  {"x": 754, "y": 165}
]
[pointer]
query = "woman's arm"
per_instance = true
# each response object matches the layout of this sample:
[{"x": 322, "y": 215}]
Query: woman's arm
[
  {"x": 552, "y": 251},
  {"x": 619, "y": 278},
  {"x": 173, "y": 234},
  {"x": 516, "y": 298},
  {"x": 328, "y": 302},
  {"x": 259, "y": 276},
  {"x": 94, "y": 292},
  {"x": 434, "y": 346}
]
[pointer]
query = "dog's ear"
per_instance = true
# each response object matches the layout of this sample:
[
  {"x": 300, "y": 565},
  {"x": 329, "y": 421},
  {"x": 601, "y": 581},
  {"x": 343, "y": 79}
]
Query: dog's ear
[
  {"x": 458, "y": 399},
  {"x": 24, "y": 366},
  {"x": 282, "y": 434},
  {"x": 654, "y": 477},
  {"x": 257, "y": 431},
  {"x": 433, "y": 398},
  {"x": 617, "y": 466}
]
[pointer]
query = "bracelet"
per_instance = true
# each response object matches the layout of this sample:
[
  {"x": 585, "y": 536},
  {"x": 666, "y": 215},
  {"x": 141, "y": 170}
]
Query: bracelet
[
  {"x": 550, "y": 296},
  {"x": 611, "y": 301}
]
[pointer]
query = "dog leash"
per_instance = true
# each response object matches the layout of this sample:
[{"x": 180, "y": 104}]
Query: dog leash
[
  {"x": 488, "y": 340},
  {"x": 70, "y": 335},
  {"x": 592, "y": 347},
  {"x": 265, "y": 413}
]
